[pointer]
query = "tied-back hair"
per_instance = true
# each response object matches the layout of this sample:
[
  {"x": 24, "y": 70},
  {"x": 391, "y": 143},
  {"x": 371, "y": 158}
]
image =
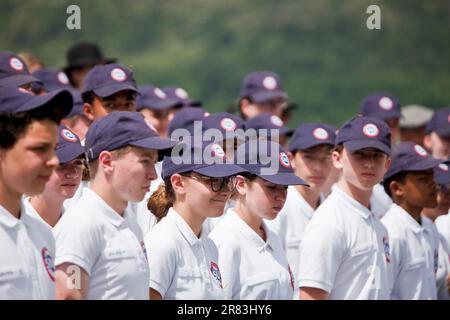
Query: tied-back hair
[{"x": 161, "y": 200}]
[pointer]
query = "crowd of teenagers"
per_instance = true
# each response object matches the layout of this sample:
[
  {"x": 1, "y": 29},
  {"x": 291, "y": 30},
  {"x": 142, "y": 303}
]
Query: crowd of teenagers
[{"x": 109, "y": 190}]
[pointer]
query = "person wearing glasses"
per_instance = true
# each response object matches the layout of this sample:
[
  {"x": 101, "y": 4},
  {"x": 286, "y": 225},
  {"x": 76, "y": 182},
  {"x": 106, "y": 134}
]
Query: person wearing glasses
[
  {"x": 182, "y": 259},
  {"x": 64, "y": 181},
  {"x": 251, "y": 257}
]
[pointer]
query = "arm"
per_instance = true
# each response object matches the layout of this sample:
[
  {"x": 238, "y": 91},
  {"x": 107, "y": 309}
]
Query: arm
[
  {"x": 154, "y": 295},
  {"x": 308, "y": 293},
  {"x": 71, "y": 282}
]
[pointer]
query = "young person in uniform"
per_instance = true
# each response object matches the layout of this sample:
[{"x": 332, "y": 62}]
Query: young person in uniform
[
  {"x": 251, "y": 257},
  {"x": 99, "y": 246},
  {"x": 14, "y": 72},
  {"x": 28, "y": 127},
  {"x": 344, "y": 253},
  {"x": 414, "y": 241},
  {"x": 310, "y": 156},
  {"x": 270, "y": 123},
  {"x": 437, "y": 138},
  {"x": 182, "y": 259}
]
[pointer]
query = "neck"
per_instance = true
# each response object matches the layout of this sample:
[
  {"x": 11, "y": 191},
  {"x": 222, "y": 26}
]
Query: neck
[
  {"x": 360, "y": 195},
  {"x": 413, "y": 211},
  {"x": 193, "y": 219},
  {"x": 109, "y": 195},
  {"x": 10, "y": 200},
  {"x": 251, "y": 219},
  {"x": 310, "y": 195},
  {"x": 49, "y": 208}
]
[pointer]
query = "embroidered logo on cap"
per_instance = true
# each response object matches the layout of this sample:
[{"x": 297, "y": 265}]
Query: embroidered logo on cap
[
  {"x": 269, "y": 83},
  {"x": 181, "y": 93},
  {"x": 387, "y": 251},
  {"x": 215, "y": 271},
  {"x": 68, "y": 135},
  {"x": 118, "y": 74},
  {"x": 320, "y": 134},
  {"x": 284, "y": 160},
  {"x": 159, "y": 93},
  {"x": 371, "y": 130},
  {"x": 16, "y": 64},
  {"x": 48, "y": 263},
  {"x": 228, "y": 124},
  {"x": 443, "y": 167},
  {"x": 386, "y": 103},
  {"x": 420, "y": 151},
  {"x": 217, "y": 151},
  {"x": 276, "y": 121},
  {"x": 62, "y": 78}
]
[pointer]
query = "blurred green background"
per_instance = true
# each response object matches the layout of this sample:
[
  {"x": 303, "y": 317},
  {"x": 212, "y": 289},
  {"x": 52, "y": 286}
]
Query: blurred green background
[{"x": 322, "y": 49}]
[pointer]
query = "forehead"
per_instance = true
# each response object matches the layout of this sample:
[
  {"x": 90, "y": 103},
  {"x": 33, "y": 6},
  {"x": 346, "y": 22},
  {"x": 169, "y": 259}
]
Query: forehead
[
  {"x": 367, "y": 151},
  {"x": 152, "y": 153},
  {"x": 121, "y": 95},
  {"x": 420, "y": 173},
  {"x": 321, "y": 148}
]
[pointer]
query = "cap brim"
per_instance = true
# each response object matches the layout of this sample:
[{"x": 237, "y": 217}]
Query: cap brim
[
  {"x": 425, "y": 164},
  {"x": 284, "y": 179},
  {"x": 264, "y": 96},
  {"x": 192, "y": 103},
  {"x": 362, "y": 144},
  {"x": 154, "y": 104},
  {"x": 304, "y": 146},
  {"x": 107, "y": 91},
  {"x": 69, "y": 152},
  {"x": 286, "y": 132},
  {"x": 219, "y": 170},
  {"x": 164, "y": 146},
  {"x": 87, "y": 63},
  {"x": 19, "y": 80},
  {"x": 59, "y": 99},
  {"x": 77, "y": 104}
]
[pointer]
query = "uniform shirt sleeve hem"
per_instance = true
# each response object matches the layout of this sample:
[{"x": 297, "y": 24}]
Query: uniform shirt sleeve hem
[
  {"x": 75, "y": 260},
  {"x": 315, "y": 284}
]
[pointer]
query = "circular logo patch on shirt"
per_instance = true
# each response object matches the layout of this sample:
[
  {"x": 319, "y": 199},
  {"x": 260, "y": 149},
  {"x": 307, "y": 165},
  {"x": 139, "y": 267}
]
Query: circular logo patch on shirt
[
  {"x": 68, "y": 135},
  {"x": 371, "y": 130},
  {"x": 443, "y": 167},
  {"x": 228, "y": 124},
  {"x": 320, "y": 134},
  {"x": 62, "y": 78},
  {"x": 386, "y": 103},
  {"x": 269, "y": 83},
  {"x": 387, "y": 250},
  {"x": 181, "y": 93},
  {"x": 159, "y": 93},
  {"x": 215, "y": 271},
  {"x": 16, "y": 64},
  {"x": 48, "y": 263},
  {"x": 284, "y": 160},
  {"x": 118, "y": 74},
  {"x": 276, "y": 121},
  {"x": 217, "y": 151},
  {"x": 420, "y": 151}
]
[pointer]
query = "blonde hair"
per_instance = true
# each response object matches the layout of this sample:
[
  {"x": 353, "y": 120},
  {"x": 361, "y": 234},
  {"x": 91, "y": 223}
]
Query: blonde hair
[{"x": 161, "y": 200}]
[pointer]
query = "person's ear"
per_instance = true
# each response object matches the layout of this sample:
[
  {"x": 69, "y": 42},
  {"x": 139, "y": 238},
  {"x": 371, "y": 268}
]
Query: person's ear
[
  {"x": 336, "y": 157},
  {"x": 88, "y": 111},
  {"x": 387, "y": 164},
  {"x": 427, "y": 142},
  {"x": 241, "y": 185},
  {"x": 396, "y": 189},
  {"x": 291, "y": 157},
  {"x": 178, "y": 184},
  {"x": 247, "y": 108},
  {"x": 105, "y": 161}
]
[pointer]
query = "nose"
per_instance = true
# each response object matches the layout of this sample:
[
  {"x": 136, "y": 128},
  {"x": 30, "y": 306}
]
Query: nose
[
  {"x": 71, "y": 173},
  {"x": 151, "y": 173},
  {"x": 53, "y": 161}
]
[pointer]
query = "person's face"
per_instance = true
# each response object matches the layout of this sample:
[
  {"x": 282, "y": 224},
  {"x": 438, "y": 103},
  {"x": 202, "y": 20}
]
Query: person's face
[
  {"x": 262, "y": 198},
  {"x": 159, "y": 119},
  {"x": 133, "y": 173},
  {"x": 393, "y": 124},
  {"x": 362, "y": 168},
  {"x": 313, "y": 165},
  {"x": 28, "y": 165},
  {"x": 252, "y": 109},
  {"x": 443, "y": 203},
  {"x": 198, "y": 190},
  {"x": 100, "y": 107},
  {"x": 65, "y": 179},
  {"x": 419, "y": 189},
  {"x": 439, "y": 146},
  {"x": 78, "y": 124}
]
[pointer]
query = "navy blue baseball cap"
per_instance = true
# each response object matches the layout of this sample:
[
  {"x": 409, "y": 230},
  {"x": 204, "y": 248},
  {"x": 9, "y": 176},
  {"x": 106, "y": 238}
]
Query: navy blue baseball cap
[
  {"x": 262, "y": 86},
  {"x": 154, "y": 98},
  {"x": 441, "y": 173},
  {"x": 186, "y": 117},
  {"x": 440, "y": 123},
  {"x": 13, "y": 71},
  {"x": 181, "y": 96},
  {"x": 206, "y": 158},
  {"x": 380, "y": 105},
  {"x": 267, "y": 160},
  {"x": 225, "y": 122},
  {"x": 364, "y": 132},
  {"x": 124, "y": 128},
  {"x": 77, "y": 104},
  {"x": 268, "y": 121},
  {"x": 16, "y": 100},
  {"x": 106, "y": 80},
  {"x": 312, "y": 134},
  {"x": 52, "y": 79},
  {"x": 408, "y": 156},
  {"x": 69, "y": 146}
]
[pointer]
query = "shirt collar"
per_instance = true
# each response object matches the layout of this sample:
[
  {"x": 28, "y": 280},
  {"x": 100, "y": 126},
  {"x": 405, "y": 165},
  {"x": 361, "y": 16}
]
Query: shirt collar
[
  {"x": 301, "y": 202},
  {"x": 184, "y": 228},
  {"x": 349, "y": 201},
  {"x": 409, "y": 221},
  {"x": 7, "y": 219},
  {"x": 102, "y": 207}
]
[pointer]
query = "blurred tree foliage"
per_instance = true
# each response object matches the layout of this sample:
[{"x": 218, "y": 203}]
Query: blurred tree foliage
[{"x": 322, "y": 49}]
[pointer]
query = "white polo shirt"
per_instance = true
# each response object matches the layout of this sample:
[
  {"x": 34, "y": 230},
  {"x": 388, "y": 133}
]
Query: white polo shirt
[
  {"x": 414, "y": 251},
  {"x": 27, "y": 254},
  {"x": 183, "y": 267},
  {"x": 32, "y": 211},
  {"x": 252, "y": 269},
  {"x": 380, "y": 201},
  {"x": 289, "y": 226},
  {"x": 443, "y": 226},
  {"x": 443, "y": 270},
  {"x": 107, "y": 246},
  {"x": 345, "y": 251}
]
